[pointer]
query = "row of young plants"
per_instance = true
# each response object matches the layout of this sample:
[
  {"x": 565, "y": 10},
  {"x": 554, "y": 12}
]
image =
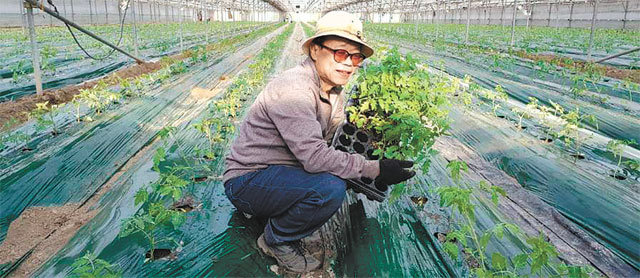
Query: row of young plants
[
  {"x": 404, "y": 105},
  {"x": 308, "y": 30},
  {"x": 534, "y": 39},
  {"x": 556, "y": 123},
  {"x": 469, "y": 242},
  {"x": 161, "y": 204},
  {"x": 583, "y": 77},
  {"x": 60, "y": 51},
  {"x": 111, "y": 93}
]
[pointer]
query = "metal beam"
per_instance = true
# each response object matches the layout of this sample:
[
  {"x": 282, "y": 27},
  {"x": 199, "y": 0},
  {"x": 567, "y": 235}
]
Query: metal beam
[{"x": 619, "y": 54}]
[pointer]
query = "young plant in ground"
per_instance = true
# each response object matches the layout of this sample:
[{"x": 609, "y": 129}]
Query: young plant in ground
[
  {"x": 198, "y": 54},
  {"x": 44, "y": 114},
  {"x": 47, "y": 53},
  {"x": 12, "y": 138},
  {"x": 148, "y": 221},
  {"x": 178, "y": 68},
  {"x": 206, "y": 128},
  {"x": 617, "y": 148},
  {"x": 522, "y": 114},
  {"x": 18, "y": 71},
  {"x": 570, "y": 130},
  {"x": 89, "y": 266},
  {"x": 632, "y": 88},
  {"x": 474, "y": 242}
]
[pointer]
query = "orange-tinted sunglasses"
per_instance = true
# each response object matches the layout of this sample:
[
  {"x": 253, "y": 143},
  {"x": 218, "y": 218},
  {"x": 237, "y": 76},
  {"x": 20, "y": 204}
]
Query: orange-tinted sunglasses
[{"x": 341, "y": 55}]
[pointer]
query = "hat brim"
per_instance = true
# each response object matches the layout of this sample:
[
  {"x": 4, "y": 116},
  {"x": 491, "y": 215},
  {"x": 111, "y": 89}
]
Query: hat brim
[{"x": 367, "y": 51}]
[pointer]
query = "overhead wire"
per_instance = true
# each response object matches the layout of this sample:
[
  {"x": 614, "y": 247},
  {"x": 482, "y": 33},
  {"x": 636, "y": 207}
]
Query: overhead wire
[{"x": 124, "y": 16}]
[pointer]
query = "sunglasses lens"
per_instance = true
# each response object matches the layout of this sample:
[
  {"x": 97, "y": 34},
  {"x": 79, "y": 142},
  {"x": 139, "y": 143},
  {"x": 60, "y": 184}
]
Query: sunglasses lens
[
  {"x": 341, "y": 55},
  {"x": 357, "y": 58}
]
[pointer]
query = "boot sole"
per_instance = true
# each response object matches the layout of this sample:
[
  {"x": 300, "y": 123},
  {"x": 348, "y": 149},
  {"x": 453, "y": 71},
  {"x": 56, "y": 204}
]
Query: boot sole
[{"x": 262, "y": 244}]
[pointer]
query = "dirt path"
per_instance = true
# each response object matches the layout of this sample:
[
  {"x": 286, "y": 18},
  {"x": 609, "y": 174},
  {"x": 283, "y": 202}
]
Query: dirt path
[
  {"x": 292, "y": 55},
  {"x": 43, "y": 231}
]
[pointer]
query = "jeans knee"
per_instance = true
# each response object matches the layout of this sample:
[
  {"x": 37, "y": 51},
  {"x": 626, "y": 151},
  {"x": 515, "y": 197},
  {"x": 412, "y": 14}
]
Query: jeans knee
[{"x": 334, "y": 190}]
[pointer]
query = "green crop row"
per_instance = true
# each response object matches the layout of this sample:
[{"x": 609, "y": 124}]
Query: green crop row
[
  {"x": 531, "y": 39},
  {"x": 158, "y": 210}
]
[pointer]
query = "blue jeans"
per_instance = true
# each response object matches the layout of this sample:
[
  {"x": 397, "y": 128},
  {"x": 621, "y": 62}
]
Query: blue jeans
[{"x": 296, "y": 202}]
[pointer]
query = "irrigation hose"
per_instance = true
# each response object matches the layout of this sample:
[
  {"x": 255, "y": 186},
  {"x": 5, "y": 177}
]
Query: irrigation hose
[{"x": 76, "y": 39}]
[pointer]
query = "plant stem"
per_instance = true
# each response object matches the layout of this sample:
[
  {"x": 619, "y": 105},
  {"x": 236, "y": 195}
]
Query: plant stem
[{"x": 474, "y": 236}]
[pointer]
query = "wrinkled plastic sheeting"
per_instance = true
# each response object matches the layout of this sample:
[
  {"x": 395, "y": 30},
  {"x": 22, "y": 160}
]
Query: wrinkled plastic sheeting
[
  {"x": 574, "y": 189},
  {"x": 78, "y": 164},
  {"x": 516, "y": 81},
  {"x": 615, "y": 124}
]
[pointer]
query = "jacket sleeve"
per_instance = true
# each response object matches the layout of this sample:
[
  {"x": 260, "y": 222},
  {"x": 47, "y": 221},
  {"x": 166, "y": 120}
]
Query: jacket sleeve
[{"x": 294, "y": 115}]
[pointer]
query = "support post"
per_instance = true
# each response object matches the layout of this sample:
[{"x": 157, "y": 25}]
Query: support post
[
  {"x": 73, "y": 14},
  {"x": 466, "y": 33},
  {"x": 181, "y": 22},
  {"x": 106, "y": 12},
  {"x": 513, "y": 22},
  {"x": 135, "y": 30},
  {"x": 571, "y": 14},
  {"x": 626, "y": 11},
  {"x": 119, "y": 13},
  {"x": 530, "y": 15},
  {"x": 502, "y": 15},
  {"x": 593, "y": 26},
  {"x": 549, "y": 15},
  {"x": 35, "y": 55},
  {"x": 90, "y": 13},
  {"x": 24, "y": 17},
  {"x": 557, "y": 14}
]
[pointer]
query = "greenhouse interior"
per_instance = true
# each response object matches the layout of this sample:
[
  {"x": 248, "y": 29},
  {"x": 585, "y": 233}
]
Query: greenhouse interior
[{"x": 320, "y": 138}]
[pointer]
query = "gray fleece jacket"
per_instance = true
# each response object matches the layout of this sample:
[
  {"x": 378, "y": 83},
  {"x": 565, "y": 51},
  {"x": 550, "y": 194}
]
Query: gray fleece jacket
[{"x": 290, "y": 123}]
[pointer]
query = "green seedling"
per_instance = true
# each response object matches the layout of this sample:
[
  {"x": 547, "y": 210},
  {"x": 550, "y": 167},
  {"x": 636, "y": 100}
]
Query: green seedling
[
  {"x": 522, "y": 114},
  {"x": 44, "y": 114},
  {"x": 47, "y": 53},
  {"x": 148, "y": 222},
  {"x": 89, "y": 266},
  {"x": 617, "y": 148}
]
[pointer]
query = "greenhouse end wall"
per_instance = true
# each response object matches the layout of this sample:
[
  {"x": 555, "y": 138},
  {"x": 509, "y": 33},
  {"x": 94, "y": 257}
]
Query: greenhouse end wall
[
  {"x": 12, "y": 14},
  {"x": 609, "y": 15}
]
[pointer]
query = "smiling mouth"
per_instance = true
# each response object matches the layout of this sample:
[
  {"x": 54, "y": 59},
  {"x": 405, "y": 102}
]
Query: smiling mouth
[{"x": 344, "y": 72}]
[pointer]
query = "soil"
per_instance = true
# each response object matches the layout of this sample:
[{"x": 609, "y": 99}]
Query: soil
[
  {"x": 18, "y": 109},
  {"x": 48, "y": 229},
  {"x": 186, "y": 204},
  {"x": 35, "y": 224},
  {"x": 610, "y": 71}
]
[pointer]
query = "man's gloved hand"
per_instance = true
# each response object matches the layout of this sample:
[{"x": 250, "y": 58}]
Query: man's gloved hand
[{"x": 393, "y": 171}]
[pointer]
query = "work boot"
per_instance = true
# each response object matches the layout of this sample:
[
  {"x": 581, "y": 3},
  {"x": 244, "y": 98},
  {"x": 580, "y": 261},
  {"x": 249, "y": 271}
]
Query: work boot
[{"x": 289, "y": 255}]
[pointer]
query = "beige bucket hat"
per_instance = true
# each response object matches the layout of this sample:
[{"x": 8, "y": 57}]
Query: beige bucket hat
[{"x": 341, "y": 24}]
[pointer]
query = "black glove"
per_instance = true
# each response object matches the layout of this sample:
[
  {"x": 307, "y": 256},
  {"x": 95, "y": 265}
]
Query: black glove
[{"x": 393, "y": 171}]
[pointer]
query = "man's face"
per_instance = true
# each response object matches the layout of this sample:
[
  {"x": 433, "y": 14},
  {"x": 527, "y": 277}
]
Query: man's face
[{"x": 330, "y": 71}]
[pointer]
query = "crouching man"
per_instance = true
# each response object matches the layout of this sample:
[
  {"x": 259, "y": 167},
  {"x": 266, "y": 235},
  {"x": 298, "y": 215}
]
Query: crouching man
[{"x": 281, "y": 167}]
